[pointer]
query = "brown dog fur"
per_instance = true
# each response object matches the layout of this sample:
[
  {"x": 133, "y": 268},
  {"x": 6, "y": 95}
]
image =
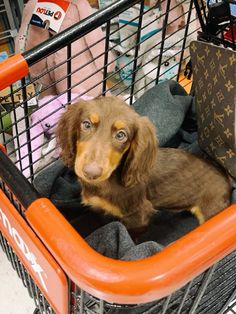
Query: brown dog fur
[{"x": 115, "y": 154}]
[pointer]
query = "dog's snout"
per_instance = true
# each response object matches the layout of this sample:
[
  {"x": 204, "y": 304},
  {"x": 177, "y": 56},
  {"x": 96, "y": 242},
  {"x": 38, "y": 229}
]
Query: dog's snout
[{"x": 92, "y": 170}]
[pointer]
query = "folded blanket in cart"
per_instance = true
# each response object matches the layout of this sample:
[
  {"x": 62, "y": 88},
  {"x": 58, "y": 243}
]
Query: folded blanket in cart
[
  {"x": 172, "y": 111},
  {"x": 114, "y": 241}
]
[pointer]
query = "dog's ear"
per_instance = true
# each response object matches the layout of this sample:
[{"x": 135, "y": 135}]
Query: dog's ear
[
  {"x": 67, "y": 132},
  {"x": 142, "y": 154}
]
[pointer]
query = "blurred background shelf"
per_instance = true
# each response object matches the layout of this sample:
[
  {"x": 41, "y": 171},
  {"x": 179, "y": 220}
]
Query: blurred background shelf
[{"x": 10, "y": 16}]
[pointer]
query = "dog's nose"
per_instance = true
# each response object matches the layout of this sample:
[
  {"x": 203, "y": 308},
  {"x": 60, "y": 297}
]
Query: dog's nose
[{"x": 92, "y": 171}]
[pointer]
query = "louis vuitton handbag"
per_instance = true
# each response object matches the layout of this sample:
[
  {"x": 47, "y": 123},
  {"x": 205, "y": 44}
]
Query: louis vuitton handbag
[{"x": 214, "y": 75}]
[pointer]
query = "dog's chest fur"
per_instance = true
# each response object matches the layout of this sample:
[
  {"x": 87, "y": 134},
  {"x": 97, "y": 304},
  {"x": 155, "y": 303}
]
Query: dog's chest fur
[
  {"x": 99, "y": 202},
  {"x": 111, "y": 197}
]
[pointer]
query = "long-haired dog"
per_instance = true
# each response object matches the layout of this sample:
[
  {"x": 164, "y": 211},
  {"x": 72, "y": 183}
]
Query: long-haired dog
[{"x": 123, "y": 172}]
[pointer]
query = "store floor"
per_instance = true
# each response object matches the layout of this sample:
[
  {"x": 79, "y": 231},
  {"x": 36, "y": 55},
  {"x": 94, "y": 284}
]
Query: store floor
[{"x": 14, "y": 298}]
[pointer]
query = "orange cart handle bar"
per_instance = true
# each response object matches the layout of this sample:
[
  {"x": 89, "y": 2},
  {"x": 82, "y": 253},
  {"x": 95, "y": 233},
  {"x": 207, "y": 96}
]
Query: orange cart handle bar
[{"x": 16, "y": 182}]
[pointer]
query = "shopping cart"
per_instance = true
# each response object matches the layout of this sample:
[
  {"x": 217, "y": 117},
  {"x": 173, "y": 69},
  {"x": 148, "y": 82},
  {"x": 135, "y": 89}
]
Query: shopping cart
[{"x": 196, "y": 273}]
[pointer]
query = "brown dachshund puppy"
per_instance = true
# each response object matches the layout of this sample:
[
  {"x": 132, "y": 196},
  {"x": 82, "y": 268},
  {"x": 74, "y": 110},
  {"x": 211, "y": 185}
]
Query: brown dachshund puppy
[{"x": 123, "y": 172}]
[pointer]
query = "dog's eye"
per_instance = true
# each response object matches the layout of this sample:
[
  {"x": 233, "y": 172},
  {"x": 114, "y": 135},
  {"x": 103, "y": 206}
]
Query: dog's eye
[
  {"x": 86, "y": 125},
  {"x": 121, "y": 136}
]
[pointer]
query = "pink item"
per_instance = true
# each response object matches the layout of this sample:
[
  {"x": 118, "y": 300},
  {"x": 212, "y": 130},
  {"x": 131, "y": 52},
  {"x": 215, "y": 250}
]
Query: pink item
[{"x": 91, "y": 72}]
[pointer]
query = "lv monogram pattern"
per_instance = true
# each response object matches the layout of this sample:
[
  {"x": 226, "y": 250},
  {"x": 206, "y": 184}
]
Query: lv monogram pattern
[{"x": 214, "y": 74}]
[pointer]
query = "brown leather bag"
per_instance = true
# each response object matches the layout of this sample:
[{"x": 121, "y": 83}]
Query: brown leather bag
[{"x": 214, "y": 76}]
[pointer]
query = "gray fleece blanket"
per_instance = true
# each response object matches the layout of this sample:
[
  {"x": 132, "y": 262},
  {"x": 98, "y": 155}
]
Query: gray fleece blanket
[{"x": 172, "y": 111}]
